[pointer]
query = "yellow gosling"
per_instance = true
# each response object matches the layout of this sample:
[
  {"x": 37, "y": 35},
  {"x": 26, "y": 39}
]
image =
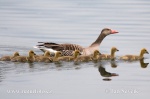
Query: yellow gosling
[
  {"x": 55, "y": 58},
  {"x": 70, "y": 58},
  {"x": 135, "y": 57},
  {"x": 111, "y": 56},
  {"x": 8, "y": 58},
  {"x": 96, "y": 55},
  {"x": 29, "y": 58},
  {"x": 44, "y": 58},
  {"x": 87, "y": 58}
]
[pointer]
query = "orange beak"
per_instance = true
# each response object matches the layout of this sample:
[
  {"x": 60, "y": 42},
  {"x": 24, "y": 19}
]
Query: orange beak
[{"x": 114, "y": 31}]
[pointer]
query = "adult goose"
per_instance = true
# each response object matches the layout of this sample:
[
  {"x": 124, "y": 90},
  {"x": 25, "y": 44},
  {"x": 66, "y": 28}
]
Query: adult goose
[{"x": 67, "y": 49}]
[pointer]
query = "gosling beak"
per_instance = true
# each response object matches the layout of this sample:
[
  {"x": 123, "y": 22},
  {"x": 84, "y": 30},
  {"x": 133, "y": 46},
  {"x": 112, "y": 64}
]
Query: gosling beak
[
  {"x": 147, "y": 52},
  {"x": 117, "y": 50},
  {"x": 34, "y": 54}
]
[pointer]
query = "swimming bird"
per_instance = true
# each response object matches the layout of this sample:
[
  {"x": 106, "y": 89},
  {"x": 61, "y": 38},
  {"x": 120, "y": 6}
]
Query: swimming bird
[
  {"x": 70, "y": 58},
  {"x": 86, "y": 58},
  {"x": 8, "y": 58},
  {"x": 95, "y": 55},
  {"x": 44, "y": 58},
  {"x": 135, "y": 57},
  {"x": 55, "y": 58},
  {"x": 29, "y": 58},
  {"x": 111, "y": 56},
  {"x": 67, "y": 49}
]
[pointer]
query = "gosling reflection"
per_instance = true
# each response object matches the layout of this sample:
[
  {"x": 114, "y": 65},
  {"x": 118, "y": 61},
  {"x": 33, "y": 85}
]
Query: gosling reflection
[
  {"x": 143, "y": 65},
  {"x": 106, "y": 74},
  {"x": 113, "y": 64}
]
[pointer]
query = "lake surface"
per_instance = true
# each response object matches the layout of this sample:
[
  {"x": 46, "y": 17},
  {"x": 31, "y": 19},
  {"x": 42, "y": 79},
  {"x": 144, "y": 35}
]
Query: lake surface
[{"x": 25, "y": 22}]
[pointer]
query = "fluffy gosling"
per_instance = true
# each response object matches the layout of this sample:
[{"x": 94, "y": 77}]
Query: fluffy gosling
[
  {"x": 135, "y": 57},
  {"x": 29, "y": 58},
  {"x": 107, "y": 56},
  {"x": 8, "y": 58}
]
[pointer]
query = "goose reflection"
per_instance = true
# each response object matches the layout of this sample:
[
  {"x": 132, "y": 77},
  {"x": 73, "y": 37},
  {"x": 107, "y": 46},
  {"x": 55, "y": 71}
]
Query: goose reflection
[
  {"x": 106, "y": 74},
  {"x": 143, "y": 65}
]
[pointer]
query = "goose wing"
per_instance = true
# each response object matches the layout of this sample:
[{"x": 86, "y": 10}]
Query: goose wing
[{"x": 66, "y": 49}]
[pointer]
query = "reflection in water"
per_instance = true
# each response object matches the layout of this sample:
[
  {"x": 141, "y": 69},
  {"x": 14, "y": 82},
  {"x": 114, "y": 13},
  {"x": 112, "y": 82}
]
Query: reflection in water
[
  {"x": 143, "y": 65},
  {"x": 113, "y": 64},
  {"x": 1, "y": 75},
  {"x": 31, "y": 65},
  {"x": 104, "y": 73}
]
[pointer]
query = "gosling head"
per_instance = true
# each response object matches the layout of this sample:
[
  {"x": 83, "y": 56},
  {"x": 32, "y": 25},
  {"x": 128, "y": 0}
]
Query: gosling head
[
  {"x": 96, "y": 52},
  {"x": 47, "y": 53},
  {"x": 31, "y": 53},
  {"x": 58, "y": 54},
  {"x": 77, "y": 52},
  {"x": 144, "y": 51},
  {"x": 114, "y": 49},
  {"x": 16, "y": 54}
]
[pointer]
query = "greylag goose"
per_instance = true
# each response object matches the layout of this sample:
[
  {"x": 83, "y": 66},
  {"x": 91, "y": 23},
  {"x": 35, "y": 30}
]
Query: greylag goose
[
  {"x": 70, "y": 58},
  {"x": 111, "y": 56},
  {"x": 135, "y": 57},
  {"x": 86, "y": 58},
  {"x": 67, "y": 49},
  {"x": 45, "y": 58},
  {"x": 8, "y": 58},
  {"x": 29, "y": 58}
]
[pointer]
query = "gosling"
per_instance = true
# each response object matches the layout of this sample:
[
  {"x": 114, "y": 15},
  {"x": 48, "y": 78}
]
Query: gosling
[
  {"x": 55, "y": 58},
  {"x": 8, "y": 58},
  {"x": 29, "y": 58},
  {"x": 70, "y": 58},
  {"x": 44, "y": 58},
  {"x": 135, "y": 57},
  {"x": 107, "y": 56},
  {"x": 88, "y": 58}
]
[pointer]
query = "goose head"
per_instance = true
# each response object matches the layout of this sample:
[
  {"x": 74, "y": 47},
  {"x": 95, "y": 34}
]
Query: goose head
[
  {"x": 108, "y": 31},
  {"x": 47, "y": 54}
]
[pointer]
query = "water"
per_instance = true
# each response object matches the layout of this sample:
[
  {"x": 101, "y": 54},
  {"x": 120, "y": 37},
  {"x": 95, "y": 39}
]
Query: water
[{"x": 25, "y": 22}]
